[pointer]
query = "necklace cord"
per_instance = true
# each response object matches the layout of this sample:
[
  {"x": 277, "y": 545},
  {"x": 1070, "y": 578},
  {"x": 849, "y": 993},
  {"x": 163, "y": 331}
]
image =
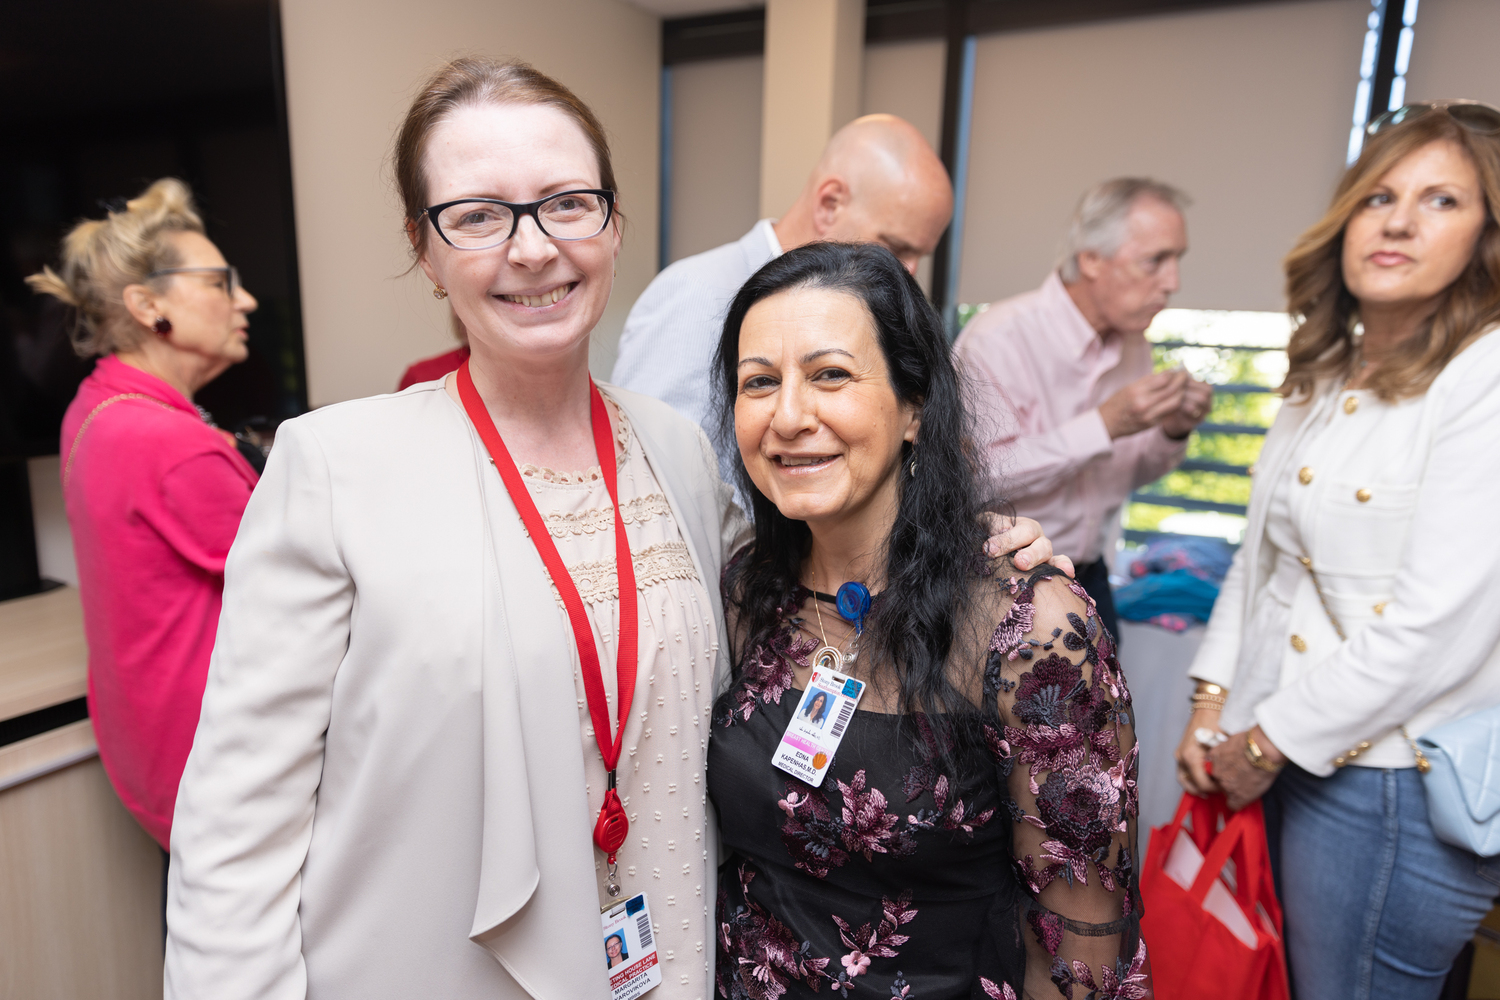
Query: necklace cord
[{"x": 611, "y": 831}]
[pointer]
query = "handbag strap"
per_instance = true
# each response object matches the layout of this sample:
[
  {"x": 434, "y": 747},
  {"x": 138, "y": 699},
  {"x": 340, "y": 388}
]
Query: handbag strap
[
  {"x": 1423, "y": 764},
  {"x": 1231, "y": 840},
  {"x": 73, "y": 449}
]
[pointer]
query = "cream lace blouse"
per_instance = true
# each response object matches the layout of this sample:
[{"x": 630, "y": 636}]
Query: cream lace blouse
[{"x": 660, "y": 774}]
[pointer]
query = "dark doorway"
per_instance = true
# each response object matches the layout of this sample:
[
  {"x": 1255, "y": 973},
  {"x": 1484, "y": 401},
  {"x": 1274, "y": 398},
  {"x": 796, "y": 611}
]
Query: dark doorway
[{"x": 102, "y": 97}]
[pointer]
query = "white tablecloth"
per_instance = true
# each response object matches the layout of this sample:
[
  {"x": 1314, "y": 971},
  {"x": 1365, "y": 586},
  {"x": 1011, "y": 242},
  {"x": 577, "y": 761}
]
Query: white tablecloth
[{"x": 1156, "y": 662}]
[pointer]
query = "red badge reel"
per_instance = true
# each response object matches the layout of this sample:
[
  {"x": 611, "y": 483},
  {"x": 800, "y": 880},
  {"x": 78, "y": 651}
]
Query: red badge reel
[{"x": 610, "y": 832}]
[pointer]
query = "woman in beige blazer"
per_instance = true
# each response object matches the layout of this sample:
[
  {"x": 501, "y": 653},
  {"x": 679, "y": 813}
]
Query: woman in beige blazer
[
  {"x": 1359, "y": 613},
  {"x": 395, "y": 777}
]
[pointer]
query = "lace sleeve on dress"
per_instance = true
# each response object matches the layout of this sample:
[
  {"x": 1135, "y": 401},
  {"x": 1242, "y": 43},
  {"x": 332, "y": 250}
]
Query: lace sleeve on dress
[{"x": 1068, "y": 743}]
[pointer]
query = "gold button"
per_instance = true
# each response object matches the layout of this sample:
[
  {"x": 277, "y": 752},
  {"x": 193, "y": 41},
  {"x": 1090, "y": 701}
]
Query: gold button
[
  {"x": 1351, "y": 404},
  {"x": 1304, "y": 475},
  {"x": 1299, "y": 644},
  {"x": 1363, "y": 495},
  {"x": 1380, "y": 608}
]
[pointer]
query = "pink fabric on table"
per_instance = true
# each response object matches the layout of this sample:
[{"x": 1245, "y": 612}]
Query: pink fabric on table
[
  {"x": 154, "y": 497},
  {"x": 1041, "y": 372}
]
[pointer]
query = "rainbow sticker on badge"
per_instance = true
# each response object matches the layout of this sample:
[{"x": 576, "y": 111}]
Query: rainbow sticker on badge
[{"x": 818, "y": 725}]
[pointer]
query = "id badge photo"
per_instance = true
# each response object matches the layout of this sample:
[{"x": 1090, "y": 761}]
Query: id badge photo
[
  {"x": 629, "y": 948},
  {"x": 818, "y": 725}
]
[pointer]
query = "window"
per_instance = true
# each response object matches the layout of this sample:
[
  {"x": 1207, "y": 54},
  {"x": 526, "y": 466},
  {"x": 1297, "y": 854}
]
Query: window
[{"x": 1243, "y": 355}]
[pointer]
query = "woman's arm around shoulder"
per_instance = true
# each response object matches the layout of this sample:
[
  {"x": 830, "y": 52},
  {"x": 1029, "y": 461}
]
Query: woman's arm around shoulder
[
  {"x": 1068, "y": 742},
  {"x": 245, "y": 806}
]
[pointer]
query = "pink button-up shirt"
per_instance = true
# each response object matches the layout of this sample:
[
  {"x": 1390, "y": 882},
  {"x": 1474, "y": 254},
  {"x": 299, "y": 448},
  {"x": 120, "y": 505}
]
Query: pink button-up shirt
[
  {"x": 1041, "y": 372},
  {"x": 154, "y": 497}
]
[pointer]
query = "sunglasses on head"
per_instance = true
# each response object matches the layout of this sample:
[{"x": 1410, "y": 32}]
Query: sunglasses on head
[{"x": 1476, "y": 116}]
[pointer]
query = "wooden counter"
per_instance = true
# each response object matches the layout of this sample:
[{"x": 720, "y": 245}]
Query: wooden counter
[
  {"x": 80, "y": 881},
  {"x": 44, "y": 660}
]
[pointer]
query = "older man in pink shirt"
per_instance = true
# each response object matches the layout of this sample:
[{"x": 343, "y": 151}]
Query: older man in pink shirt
[{"x": 1073, "y": 420}]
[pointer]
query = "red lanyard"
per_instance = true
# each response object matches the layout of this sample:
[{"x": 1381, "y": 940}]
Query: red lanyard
[{"x": 612, "y": 826}]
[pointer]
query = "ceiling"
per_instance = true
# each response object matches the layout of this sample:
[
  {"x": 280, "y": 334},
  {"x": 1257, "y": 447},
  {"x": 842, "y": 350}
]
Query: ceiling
[
  {"x": 691, "y": 8},
  {"x": 97, "y": 56}
]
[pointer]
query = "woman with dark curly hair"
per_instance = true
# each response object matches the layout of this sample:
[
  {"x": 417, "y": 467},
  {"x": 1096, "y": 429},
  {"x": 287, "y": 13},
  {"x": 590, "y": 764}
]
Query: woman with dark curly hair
[{"x": 974, "y": 832}]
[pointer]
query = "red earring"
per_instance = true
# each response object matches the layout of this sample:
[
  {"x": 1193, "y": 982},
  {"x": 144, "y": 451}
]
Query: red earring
[{"x": 162, "y": 326}]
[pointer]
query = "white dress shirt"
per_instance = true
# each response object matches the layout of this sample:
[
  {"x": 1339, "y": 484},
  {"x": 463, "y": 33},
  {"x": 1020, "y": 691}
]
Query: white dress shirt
[{"x": 672, "y": 333}]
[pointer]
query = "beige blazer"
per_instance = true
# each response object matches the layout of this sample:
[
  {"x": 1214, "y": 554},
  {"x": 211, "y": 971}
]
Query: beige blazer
[{"x": 385, "y": 797}]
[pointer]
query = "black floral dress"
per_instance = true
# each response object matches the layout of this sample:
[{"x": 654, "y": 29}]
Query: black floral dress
[{"x": 906, "y": 877}]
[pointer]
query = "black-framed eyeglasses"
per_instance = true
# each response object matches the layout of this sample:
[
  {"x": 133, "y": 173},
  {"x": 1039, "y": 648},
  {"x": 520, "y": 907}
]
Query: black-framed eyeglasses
[
  {"x": 482, "y": 223},
  {"x": 231, "y": 275},
  {"x": 1476, "y": 116}
]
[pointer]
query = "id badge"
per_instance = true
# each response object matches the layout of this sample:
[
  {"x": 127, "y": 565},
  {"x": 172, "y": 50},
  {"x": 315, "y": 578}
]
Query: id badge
[
  {"x": 818, "y": 725},
  {"x": 629, "y": 948}
]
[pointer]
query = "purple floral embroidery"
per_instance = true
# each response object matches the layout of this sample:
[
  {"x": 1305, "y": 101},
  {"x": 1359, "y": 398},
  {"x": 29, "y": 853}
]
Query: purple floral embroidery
[
  {"x": 957, "y": 817},
  {"x": 923, "y": 776},
  {"x": 1081, "y": 806},
  {"x": 1000, "y": 992},
  {"x": 819, "y": 841},
  {"x": 1117, "y": 982},
  {"x": 758, "y": 953},
  {"x": 1064, "y": 722},
  {"x": 1017, "y": 621},
  {"x": 810, "y": 833},
  {"x": 1048, "y": 928},
  {"x": 868, "y": 828},
  {"x": 1052, "y": 692},
  {"x": 769, "y": 672},
  {"x": 865, "y": 943}
]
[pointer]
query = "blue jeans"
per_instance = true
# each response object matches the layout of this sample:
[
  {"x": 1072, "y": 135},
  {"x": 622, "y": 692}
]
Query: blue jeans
[{"x": 1376, "y": 907}]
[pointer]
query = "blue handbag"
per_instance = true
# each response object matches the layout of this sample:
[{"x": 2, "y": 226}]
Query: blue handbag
[
  {"x": 1460, "y": 766},
  {"x": 1463, "y": 783}
]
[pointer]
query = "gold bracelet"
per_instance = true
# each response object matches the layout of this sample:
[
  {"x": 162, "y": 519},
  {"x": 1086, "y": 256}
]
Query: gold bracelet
[
  {"x": 1258, "y": 759},
  {"x": 1205, "y": 687},
  {"x": 1200, "y": 703}
]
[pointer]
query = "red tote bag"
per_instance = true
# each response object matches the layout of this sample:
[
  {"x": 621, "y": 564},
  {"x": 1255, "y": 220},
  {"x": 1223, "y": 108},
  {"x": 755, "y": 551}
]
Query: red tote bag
[{"x": 1212, "y": 924}]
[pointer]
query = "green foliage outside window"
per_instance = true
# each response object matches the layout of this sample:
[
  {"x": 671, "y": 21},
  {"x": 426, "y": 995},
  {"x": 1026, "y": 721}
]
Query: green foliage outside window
[{"x": 1226, "y": 365}]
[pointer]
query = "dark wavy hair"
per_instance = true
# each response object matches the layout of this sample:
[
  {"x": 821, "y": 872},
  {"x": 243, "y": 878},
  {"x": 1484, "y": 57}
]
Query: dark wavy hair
[{"x": 934, "y": 551}]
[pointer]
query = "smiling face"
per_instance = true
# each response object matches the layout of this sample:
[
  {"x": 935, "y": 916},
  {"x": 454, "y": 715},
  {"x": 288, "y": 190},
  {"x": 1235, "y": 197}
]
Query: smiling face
[
  {"x": 1416, "y": 232},
  {"x": 531, "y": 297},
  {"x": 818, "y": 423},
  {"x": 613, "y": 946}
]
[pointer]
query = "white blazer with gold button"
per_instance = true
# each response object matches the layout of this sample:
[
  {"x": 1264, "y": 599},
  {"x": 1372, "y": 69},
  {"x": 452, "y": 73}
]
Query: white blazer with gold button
[
  {"x": 386, "y": 796},
  {"x": 1400, "y": 524}
]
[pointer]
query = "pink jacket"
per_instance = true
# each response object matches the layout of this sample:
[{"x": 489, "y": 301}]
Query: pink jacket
[{"x": 154, "y": 497}]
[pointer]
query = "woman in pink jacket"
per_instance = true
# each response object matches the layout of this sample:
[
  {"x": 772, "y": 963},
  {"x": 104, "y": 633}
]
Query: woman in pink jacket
[{"x": 154, "y": 493}]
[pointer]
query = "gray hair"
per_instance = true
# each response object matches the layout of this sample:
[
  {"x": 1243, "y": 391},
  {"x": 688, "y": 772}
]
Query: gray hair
[{"x": 1099, "y": 220}]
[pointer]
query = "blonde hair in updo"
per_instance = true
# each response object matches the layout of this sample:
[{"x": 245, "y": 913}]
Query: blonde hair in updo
[{"x": 101, "y": 256}]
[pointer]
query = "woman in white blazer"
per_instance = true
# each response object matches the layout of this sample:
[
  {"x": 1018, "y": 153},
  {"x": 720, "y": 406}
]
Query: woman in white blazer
[
  {"x": 396, "y": 777},
  {"x": 1360, "y": 611}
]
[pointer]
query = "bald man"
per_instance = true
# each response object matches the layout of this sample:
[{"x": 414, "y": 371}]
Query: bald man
[{"x": 877, "y": 182}]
